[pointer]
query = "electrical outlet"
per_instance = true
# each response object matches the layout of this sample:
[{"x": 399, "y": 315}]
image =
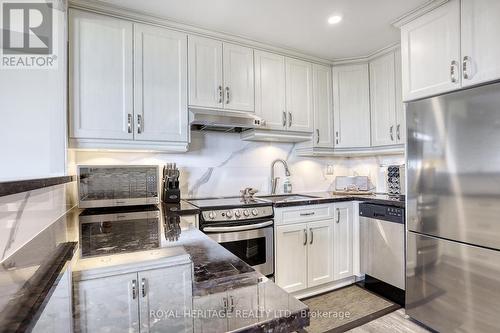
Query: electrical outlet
[{"x": 329, "y": 169}]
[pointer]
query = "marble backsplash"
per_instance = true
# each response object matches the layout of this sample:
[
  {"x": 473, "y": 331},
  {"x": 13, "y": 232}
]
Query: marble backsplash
[{"x": 220, "y": 164}]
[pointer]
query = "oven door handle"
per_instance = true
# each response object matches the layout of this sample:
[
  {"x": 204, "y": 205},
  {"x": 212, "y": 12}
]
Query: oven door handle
[{"x": 238, "y": 228}]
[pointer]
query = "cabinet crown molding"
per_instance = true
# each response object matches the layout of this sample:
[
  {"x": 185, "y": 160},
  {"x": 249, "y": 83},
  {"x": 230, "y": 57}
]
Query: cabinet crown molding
[{"x": 417, "y": 12}]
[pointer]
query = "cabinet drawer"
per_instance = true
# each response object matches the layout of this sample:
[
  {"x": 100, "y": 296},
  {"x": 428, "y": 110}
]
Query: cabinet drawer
[{"x": 304, "y": 213}]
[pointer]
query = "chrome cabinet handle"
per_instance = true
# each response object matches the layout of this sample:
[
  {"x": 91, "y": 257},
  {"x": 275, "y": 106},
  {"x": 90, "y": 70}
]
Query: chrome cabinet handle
[
  {"x": 307, "y": 214},
  {"x": 453, "y": 76},
  {"x": 129, "y": 124},
  {"x": 337, "y": 137},
  {"x": 312, "y": 236},
  {"x": 231, "y": 304},
  {"x": 391, "y": 132},
  {"x": 338, "y": 216},
  {"x": 227, "y": 95},
  {"x": 284, "y": 119},
  {"x": 465, "y": 69},
  {"x": 289, "y": 119},
  {"x": 398, "y": 131},
  {"x": 134, "y": 289},
  {"x": 140, "y": 124},
  {"x": 224, "y": 303},
  {"x": 143, "y": 287},
  {"x": 305, "y": 237},
  {"x": 317, "y": 136},
  {"x": 221, "y": 95}
]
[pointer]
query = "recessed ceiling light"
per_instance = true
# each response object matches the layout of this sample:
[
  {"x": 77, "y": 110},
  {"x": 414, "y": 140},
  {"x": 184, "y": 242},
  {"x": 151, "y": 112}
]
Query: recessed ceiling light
[{"x": 334, "y": 19}]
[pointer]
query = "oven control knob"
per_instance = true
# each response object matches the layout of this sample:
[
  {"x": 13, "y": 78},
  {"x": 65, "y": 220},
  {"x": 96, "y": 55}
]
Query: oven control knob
[
  {"x": 255, "y": 212},
  {"x": 246, "y": 212},
  {"x": 237, "y": 214},
  {"x": 229, "y": 214},
  {"x": 211, "y": 215}
]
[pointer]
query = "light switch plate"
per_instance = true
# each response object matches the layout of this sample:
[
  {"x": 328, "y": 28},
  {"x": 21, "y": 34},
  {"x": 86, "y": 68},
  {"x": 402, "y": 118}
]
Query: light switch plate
[{"x": 329, "y": 169}]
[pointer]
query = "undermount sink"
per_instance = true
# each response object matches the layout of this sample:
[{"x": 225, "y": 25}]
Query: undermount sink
[{"x": 286, "y": 197}]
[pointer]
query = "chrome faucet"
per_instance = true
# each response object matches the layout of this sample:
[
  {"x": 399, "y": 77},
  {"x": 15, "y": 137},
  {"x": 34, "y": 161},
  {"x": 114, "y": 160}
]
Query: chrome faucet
[{"x": 274, "y": 180}]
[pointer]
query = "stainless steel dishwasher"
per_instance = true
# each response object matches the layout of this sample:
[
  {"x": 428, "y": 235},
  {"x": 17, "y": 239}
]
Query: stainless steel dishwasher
[{"x": 382, "y": 250}]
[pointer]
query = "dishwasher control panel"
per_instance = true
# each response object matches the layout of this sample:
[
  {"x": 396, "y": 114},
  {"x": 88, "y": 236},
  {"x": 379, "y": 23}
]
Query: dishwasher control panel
[{"x": 382, "y": 212}]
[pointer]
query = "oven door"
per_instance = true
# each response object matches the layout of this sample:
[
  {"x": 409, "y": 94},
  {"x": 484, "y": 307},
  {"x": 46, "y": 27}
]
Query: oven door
[{"x": 254, "y": 243}]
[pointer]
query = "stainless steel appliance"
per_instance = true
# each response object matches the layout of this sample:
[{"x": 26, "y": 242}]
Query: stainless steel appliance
[
  {"x": 453, "y": 191},
  {"x": 117, "y": 185},
  {"x": 244, "y": 226},
  {"x": 395, "y": 180},
  {"x": 382, "y": 238}
]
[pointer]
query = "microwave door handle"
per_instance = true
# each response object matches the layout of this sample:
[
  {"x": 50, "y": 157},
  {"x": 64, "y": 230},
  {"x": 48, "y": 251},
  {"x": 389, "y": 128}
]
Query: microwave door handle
[{"x": 238, "y": 228}]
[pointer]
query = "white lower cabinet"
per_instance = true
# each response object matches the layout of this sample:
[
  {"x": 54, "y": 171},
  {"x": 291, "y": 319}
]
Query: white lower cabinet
[
  {"x": 147, "y": 299},
  {"x": 312, "y": 248},
  {"x": 342, "y": 240}
]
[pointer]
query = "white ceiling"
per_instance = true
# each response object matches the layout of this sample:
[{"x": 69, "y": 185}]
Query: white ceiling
[{"x": 295, "y": 24}]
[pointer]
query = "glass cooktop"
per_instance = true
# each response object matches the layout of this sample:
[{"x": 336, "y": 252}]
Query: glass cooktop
[{"x": 235, "y": 202}]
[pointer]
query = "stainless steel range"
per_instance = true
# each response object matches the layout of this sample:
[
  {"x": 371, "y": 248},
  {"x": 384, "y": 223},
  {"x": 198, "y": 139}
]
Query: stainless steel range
[{"x": 244, "y": 226}]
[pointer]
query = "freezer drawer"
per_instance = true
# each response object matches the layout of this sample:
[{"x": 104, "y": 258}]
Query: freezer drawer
[{"x": 452, "y": 287}]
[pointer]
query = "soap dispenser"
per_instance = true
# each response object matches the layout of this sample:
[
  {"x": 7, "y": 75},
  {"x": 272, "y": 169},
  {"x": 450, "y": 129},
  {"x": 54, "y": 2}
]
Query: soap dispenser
[{"x": 287, "y": 185}]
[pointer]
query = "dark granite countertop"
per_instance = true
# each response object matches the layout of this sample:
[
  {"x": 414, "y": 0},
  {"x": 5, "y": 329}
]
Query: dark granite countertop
[{"x": 328, "y": 197}]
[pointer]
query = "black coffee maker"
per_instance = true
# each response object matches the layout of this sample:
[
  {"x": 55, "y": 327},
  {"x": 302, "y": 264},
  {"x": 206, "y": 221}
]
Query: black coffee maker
[{"x": 171, "y": 191}]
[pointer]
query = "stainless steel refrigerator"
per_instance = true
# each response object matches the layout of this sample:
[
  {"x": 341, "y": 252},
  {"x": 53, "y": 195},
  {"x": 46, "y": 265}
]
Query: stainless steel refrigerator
[{"x": 453, "y": 211}]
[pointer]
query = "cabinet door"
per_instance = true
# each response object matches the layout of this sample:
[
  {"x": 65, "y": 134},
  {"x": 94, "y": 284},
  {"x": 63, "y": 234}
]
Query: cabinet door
[
  {"x": 212, "y": 308},
  {"x": 98, "y": 302},
  {"x": 480, "y": 47},
  {"x": 342, "y": 241},
  {"x": 291, "y": 257},
  {"x": 351, "y": 106},
  {"x": 242, "y": 301},
  {"x": 238, "y": 71},
  {"x": 205, "y": 72},
  {"x": 101, "y": 87},
  {"x": 430, "y": 47},
  {"x": 163, "y": 292},
  {"x": 320, "y": 253},
  {"x": 383, "y": 101},
  {"x": 299, "y": 100},
  {"x": 160, "y": 74},
  {"x": 323, "y": 110},
  {"x": 270, "y": 89},
  {"x": 400, "y": 106}
]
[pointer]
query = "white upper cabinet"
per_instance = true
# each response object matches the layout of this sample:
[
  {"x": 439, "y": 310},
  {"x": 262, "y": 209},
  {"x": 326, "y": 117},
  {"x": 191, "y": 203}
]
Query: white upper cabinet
[
  {"x": 480, "y": 48},
  {"x": 101, "y": 87},
  {"x": 351, "y": 106},
  {"x": 323, "y": 110},
  {"x": 383, "y": 101},
  {"x": 430, "y": 47},
  {"x": 400, "y": 107},
  {"x": 238, "y": 77},
  {"x": 205, "y": 72},
  {"x": 160, "y": 90},
  {"x": 299, "y": 99},
  {"x": 270, "y": 89}
]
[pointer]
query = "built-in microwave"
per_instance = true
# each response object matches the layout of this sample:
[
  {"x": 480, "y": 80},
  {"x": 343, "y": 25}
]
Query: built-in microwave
[{"x": 117, "y": 185}]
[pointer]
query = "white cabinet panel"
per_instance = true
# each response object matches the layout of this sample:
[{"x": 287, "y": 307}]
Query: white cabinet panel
[
  {"x": 207, "y": 323},
  {"x": 205, "y": 72},
  {"x": 480, "y": 47},
  {"x": 323, "y": 110},
  {"x": 430, "y": 47},
  {"x": 160, "y": 72},
  {"x": 400, "y": 107},
  {"x": 291, "y": 256},
  {"x": 102, "y": 300},
  {"x": 101, "y": 87},
  {"x": 383, "y": 101},
  {"x": 351, "y": 106},
  {"x": 238, "y": 77},
  {"x": 320, "y": 253},
  {"x": 243, "y": 301},
  {"x": 299, "y": 99},
  {"x": 162, "y": 290},
  {"x": 342, "y": 248},
  {"x": 270, "y": 89}
]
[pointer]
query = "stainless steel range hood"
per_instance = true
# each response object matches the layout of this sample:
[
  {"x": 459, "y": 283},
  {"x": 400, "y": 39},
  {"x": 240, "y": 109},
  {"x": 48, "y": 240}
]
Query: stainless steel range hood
[{"x": 222, "y": 120}]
